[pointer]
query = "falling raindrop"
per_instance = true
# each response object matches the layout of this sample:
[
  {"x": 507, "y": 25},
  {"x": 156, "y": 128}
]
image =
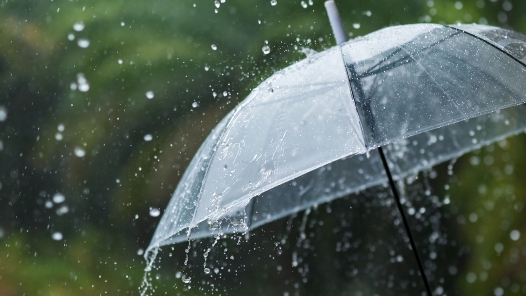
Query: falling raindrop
[
  {"x": 148, "y": 137},
  {"x": 83, "y": 43},
  {"x": 178, "y": 275},
  {"x": 83, "y": 85},
  {"x": 356, "y": 25},
  {"x": 62, "y": 210},
  {"x": 515, "y": 235},
  {"x": 304, "y": 4},
  {"x": 140, "y": 252},
  {"x": 58, "y": 198},
  {"x": 78, "y": 26},
  {"x": 186, "y": 279},
  {"x": 155, "y": 212},
  {"x": 195, "y": 105},
  {"x": 122, "y": 24},
  {"x": 459, "y": 5},
  {"x": 207, "y": 270},
  {"x": 58, "y": 136},
  {"x": 60, "y": 127},
  {"x": 120, "y": 62},
  {"x": 273, "y": 2},
  {"x": 214, "y": 47},
  {"x": 79, "y": 152},
  {"x": 56, "y": 236},
  {"x": 207, "y": 68},
  {"x": 3, "y": 113},
  {"x": 266, "y": 49},
  {"x": 149, "y": 94},
  {"x": 71, "y": 37},
  {"x": 217, "y": 4}
]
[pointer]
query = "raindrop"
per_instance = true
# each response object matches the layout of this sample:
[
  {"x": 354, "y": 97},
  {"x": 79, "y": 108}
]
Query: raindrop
[
  {"x": 471, "y": 277},
  {"x": 58, "y": 136},
  {"x": 217, "y": 4},
  {"x": 78, "y": 26},
  {"x": 178, "y": 275},
  {"x": 304, "y": 4},
  {"x": 265, "y": 49},
  {"x": 84, "y": 87},
  {"x": 83, "y": 43},
  {"x": 58, "y": 198},
  {"x": 2, "y": 233},
  {"x": 499, "y": 248},
  {"x": 214, "y": 47},
  {"x": 148, "y": 137},
  {"x": 273, "y": 2},
  {"x": 140, "y": 252},
  {"x": 1, "y": 148},
  {"x": 507, "y": 6},
  {"x": 207, "y": 68},
  {"x": 48, "y": 204},
  {"x": 186, "y": 280},
  {"x": 149, "y": 94},
  {"x": 498, "y": 291},
  {"x": 122, "y": 24},
  {"x": 71, "y": 37},
  {"x": 120, "y": 62},
  {"x": 459, "y": 5},
  {"x": 155, "y": 212},
  {"x": 515, "y": 235},
  {"x": 56, "y": 236},
  {"x": 356, "y": 25},
  {"x": 207, "y": 270},
  {"x": 60, "y": 127},
  {"x": 79, "y": 152},
  {"x": 195, "y": 105},
  {"x": 62, "y": 210},
  {"x": 3, "y": 113},
  {"x": 368, "y": 13}
]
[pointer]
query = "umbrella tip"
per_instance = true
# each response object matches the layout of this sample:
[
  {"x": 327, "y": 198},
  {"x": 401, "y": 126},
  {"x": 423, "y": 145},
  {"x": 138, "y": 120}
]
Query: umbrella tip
[{"x": 336, "y": 22}]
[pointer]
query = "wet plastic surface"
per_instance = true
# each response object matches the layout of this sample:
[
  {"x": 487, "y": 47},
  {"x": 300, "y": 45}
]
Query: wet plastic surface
[{"x": 428, "y": 92}]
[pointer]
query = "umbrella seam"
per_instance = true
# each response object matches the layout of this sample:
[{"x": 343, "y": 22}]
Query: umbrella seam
[{"x": 492, "y": 43}]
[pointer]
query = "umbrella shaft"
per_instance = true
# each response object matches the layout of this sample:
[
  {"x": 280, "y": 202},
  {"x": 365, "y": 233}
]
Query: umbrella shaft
[{"x": 404, "y": 219}]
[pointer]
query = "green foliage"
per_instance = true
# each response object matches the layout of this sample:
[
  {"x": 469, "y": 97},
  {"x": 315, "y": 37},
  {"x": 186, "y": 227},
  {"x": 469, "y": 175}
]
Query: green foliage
[{"x": 135, "y": 47}]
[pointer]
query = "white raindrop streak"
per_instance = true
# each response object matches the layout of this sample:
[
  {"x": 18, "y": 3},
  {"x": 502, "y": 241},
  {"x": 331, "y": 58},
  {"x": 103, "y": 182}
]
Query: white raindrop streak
[
  {"x": 150, "y": 94},
  {"x": 148, "y": 137}
]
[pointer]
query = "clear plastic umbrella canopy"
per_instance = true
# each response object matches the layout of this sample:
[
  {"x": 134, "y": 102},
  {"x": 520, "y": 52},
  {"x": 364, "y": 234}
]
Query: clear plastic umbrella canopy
[{"x": 307, "y": 135}]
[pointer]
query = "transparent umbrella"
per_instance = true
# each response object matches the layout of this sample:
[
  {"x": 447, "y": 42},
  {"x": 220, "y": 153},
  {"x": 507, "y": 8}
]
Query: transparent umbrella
[{"x": 314, "y": 131}]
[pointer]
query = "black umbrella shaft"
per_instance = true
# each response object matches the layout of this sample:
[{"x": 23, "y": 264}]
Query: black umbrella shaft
[{"x": 404, "y": 219}]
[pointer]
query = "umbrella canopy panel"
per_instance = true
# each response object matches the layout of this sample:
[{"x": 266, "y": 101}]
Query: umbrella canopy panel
[
  {"x": 298, "y": 120},
  {"x": 428, "y": 92},
  {"x": 439, "y": 76}
]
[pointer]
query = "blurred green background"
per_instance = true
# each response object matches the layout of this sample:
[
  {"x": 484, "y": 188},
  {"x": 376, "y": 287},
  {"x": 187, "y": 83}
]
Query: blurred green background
[{"x": 106, "y": 103}]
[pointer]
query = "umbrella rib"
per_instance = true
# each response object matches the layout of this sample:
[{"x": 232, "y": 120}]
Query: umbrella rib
[
  {"x": 401, "y": 61},
  {"x": 404, "y": 219}
]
